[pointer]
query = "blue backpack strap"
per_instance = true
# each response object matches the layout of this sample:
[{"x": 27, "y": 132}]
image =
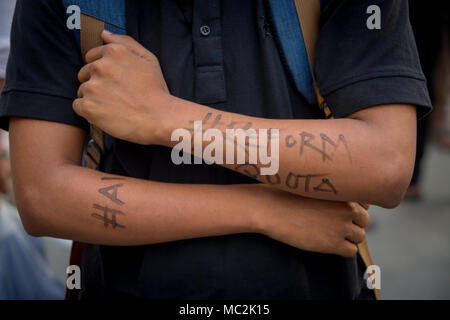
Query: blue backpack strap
[
  {"x": 292, "y": 46},
  {"x": 112, "y": 12}
]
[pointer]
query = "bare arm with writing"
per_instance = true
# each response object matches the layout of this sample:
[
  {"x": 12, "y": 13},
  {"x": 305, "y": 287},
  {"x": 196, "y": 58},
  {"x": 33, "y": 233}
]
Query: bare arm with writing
[{"x": 56, "y": 197}]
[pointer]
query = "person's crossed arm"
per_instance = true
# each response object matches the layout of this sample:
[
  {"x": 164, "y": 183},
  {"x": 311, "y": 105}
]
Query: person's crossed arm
[
  {"x": 371, "y": 163},
  {"x": 364, "y": 158},
  {"x": 367, "y": 157},
  {"x": 57, "y": 197}
]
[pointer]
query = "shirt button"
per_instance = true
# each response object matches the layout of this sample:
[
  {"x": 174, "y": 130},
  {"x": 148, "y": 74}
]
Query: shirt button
[{"x": 205, "y": 31}]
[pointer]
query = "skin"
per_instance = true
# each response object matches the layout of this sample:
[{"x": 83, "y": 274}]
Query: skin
[
  {"x": 123, "y": 92},
  {"x": 56, "y": 197}
]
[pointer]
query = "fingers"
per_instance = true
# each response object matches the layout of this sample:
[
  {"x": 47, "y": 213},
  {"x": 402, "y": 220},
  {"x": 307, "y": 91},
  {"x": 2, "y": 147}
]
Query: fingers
[
  {"x": 88, "y": 87},
  {"x": 356, "y": 234},
  {"x": 99, "y": 68},
  {"x": 360, "y": 215},
  {"x": 95, "y": 54},
  {"x": 85, "y": 73},
  {"x": 349, "y": 247},
  {"x": 364, "y": 205},
  {"x": 348, "y": 250},
  {"x": 117, "y": 47},
  {"x": 126, "y": 41},
  {"x": 77, "y": 106},
  {"x": 86, "y": 109}
]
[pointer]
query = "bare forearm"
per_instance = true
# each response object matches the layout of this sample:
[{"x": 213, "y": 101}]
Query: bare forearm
[
  {"x": 56, "y": 197},
  {"x": 94, "y": 207},
  {"x": 367, "y": 157},
  {"x": 324, "y": 159}
]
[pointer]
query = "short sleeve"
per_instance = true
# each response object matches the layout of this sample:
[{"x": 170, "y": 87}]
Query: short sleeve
[
  {"x": 41, "y": 77},
  {"x": 357, "y": 67}
]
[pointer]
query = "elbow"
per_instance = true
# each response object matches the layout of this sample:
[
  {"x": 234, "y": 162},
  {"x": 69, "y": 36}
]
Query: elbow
[
  {"x": 391, "y": 201},
  {"x": 31, "y": 209},
  {"x": 393, "y": 180}
]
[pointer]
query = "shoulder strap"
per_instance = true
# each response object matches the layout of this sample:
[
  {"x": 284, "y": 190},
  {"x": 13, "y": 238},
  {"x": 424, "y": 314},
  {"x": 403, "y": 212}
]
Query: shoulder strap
[
  {"x": 90, "y": 37},
  {"x": 95, "y": 17},
  {"x": 308, "y": 12},
  {"x": 291, "y": 45}
]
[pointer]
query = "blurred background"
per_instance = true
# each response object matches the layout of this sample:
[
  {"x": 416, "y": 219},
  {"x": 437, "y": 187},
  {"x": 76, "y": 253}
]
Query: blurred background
[
  {"x": 410, "y": 244},
  {"x": 30, "y": 268}
]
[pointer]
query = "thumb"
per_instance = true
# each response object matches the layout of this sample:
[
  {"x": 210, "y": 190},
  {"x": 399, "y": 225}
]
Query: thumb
[{"x": 127, "y": 41}]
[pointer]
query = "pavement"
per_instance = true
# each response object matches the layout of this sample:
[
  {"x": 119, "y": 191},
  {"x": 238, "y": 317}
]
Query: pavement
[{"x": 411, "y": 243}]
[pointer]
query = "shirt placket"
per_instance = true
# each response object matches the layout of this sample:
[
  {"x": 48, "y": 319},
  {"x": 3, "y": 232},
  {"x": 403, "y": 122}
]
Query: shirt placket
[{"x": 208, "y": 55}]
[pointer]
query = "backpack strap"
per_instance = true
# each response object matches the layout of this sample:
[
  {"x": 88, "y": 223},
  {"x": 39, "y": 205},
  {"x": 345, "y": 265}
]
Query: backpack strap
[
  {"x": 308, "y": 12},
  {"x": 291, "y": 45},
  {"x": 97, "y": 16},
  {"x": 90, "y": 37}
]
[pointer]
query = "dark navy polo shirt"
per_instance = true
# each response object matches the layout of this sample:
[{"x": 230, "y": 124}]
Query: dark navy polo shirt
[{"x": 223, "y": 54}]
